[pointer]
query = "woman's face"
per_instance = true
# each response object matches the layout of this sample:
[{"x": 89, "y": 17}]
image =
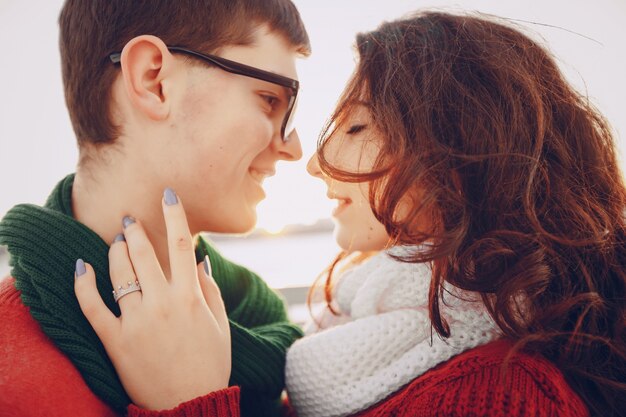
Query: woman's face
[{"x": 353, "y": 147}]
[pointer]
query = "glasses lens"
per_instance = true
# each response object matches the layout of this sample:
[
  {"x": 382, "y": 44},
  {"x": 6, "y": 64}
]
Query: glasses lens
[{"x": 289, "y": 118}]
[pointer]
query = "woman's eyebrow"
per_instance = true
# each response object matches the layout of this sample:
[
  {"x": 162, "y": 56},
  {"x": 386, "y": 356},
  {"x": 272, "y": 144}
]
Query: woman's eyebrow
[{"x": 357, "y": 103}]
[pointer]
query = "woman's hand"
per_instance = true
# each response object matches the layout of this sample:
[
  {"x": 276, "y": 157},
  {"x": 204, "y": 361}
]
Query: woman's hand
[{"x": 172, "y": 342}]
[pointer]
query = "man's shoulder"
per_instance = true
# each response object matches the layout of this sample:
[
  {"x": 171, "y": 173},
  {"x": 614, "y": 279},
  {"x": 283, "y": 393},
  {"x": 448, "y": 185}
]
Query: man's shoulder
[{"x": 36, "y": 378}]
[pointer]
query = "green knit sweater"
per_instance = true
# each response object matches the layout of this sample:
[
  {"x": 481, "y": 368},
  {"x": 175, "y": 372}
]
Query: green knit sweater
[{"x": 44, "y": 243}]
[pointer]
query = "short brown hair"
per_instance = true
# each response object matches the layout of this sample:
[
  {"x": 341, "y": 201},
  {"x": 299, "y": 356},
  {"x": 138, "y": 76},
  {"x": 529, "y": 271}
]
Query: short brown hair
[
  {"x": 520, "y": 175},
  {"x": 91, "y": 30}
]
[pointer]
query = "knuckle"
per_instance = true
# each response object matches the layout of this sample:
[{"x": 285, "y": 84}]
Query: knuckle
[
  {"x": 186, "y": 298},
  {"x": 161, "y": 312},
  {"x": 115, "y": 253},
  {"x": 90, "y": 310},
  {"x": 183, "y": 243},
  {"x": 117, "y": 270},
  {"x": 196, "y": 304},
  {"x": 190, "y": 300},
  {"x": 140, "y": 250}
]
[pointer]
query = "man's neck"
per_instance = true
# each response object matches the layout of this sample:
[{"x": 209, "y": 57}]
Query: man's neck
[{"x": 101, "y": 203}]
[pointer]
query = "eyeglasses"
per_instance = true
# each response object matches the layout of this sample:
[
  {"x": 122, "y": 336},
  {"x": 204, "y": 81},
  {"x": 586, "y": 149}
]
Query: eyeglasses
[{"x": 233, "y": 67}]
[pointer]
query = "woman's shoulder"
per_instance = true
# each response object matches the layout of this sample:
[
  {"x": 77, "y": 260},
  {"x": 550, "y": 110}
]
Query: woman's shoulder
[
  {"x": 487, "y": 381},
  {"x": 499, "y": 354}
]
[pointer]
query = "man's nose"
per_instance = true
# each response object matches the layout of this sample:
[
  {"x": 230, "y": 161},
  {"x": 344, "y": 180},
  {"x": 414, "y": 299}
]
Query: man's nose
[{"x": 291, "y": 150}]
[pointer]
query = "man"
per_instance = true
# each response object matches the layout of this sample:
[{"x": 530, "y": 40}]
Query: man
[{"x": 193, "y": 95}]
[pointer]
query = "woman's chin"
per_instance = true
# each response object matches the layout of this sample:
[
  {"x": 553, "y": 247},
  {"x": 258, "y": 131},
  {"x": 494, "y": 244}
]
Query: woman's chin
[
  {"x": 359, "y": 240},
  {"x": 346, "y": 240}
]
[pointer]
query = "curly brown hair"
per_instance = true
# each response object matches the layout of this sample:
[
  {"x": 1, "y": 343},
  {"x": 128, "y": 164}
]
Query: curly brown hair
[{"x": 519, "y": 174}]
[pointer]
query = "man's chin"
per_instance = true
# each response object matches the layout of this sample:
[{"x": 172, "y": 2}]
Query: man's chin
[
  {"x": 243, "y": 223},
  {"x": 247, "y": 223},
  {"x": 243, "y": 229}
]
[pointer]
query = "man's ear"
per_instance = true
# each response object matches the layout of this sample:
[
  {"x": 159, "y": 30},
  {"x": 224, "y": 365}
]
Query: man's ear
[{"x": 146, "y": 63}]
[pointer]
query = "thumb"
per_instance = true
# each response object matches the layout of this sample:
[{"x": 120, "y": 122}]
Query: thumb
[{"x": 97, "y": 313}]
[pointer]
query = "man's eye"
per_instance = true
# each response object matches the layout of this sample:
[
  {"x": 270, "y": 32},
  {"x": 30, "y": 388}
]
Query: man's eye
[
  {"x": 355, "y": 129},
  {"x": 271, "y": 100}
]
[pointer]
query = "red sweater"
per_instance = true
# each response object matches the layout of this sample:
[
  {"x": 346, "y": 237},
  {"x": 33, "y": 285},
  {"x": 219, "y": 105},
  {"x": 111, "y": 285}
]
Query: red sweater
[
  {"x": 470, "y": 385},
  {"x": 37, "y": 379}
]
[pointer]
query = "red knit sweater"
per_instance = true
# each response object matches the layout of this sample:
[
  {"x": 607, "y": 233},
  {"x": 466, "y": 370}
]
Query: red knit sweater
[
  {"x": 37, "y": 379},
  {"x": 471, "y": 384}
]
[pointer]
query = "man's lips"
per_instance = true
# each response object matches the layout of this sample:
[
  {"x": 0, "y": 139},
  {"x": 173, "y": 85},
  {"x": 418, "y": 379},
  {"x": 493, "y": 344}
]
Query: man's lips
[{"x": 260, "y": 174}]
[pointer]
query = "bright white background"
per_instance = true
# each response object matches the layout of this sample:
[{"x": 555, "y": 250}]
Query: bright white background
[{"x": 37, "y": 147}]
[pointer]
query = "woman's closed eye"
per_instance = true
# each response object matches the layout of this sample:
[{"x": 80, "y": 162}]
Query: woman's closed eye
[{"x": 354, "y": 129}]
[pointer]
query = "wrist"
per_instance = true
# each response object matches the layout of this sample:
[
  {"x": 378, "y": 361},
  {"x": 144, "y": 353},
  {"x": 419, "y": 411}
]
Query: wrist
[{"x": 220, "y": 403}]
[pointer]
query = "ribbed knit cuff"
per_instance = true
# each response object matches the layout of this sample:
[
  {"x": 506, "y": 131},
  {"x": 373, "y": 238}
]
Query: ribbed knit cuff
[{"x": 224, "y": 403}]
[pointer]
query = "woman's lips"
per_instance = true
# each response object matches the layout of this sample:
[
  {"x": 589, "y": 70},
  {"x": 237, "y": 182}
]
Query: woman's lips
[{"x": 342, "y": 204}]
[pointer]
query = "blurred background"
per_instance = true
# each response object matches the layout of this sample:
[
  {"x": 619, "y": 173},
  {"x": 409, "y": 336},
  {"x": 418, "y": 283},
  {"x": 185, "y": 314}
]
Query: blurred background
[{"x": 294, "y": 241}]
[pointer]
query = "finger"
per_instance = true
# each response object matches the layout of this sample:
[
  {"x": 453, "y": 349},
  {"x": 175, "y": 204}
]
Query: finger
[
  {"x": 123, "y": 275},
  {"x": 142, "y": 257},
  {"x": 179, "y": 240},
  {"x": 212, "y": 294},
  {"x": 103, "y": 321}
]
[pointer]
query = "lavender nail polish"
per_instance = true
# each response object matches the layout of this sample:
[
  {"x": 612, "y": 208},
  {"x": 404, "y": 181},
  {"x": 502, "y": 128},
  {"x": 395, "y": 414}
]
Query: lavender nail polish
[
  {"x": 127, "y": 221},
  {"x": 170, "y": 197},
  {"x": 119, "y": 238},
  {"x": 80, "y": 268}
]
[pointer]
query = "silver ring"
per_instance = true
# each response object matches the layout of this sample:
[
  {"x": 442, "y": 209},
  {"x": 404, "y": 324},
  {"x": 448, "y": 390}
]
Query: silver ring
[{"x": 121, "y": 291}]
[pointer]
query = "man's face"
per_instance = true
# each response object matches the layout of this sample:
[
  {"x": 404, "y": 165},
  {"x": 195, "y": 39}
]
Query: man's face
[{"x": 224, "y": 136}]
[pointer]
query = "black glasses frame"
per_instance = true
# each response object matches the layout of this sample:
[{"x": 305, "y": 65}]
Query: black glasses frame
[{"x": 248, "y": 71}]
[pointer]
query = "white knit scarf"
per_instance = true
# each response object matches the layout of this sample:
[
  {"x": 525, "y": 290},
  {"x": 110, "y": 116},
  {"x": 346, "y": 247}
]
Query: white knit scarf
[{"x": 382, "y": 340}]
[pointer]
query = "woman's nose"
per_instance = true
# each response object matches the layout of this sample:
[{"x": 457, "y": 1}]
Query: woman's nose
[{"x": 313, "y": 167}]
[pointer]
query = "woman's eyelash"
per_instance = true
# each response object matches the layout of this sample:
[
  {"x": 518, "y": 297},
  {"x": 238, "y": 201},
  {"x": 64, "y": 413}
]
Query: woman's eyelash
[{"x": 355, "y": 129}]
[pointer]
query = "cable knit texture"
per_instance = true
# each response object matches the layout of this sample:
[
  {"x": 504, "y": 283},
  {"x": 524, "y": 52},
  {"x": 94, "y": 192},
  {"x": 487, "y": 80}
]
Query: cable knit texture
[
  {"x": 44, "y": 243},
  {"x": 385, "y": 343}
]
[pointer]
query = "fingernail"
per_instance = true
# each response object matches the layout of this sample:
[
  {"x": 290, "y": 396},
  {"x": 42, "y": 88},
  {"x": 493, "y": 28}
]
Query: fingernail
[
  {"x": 119, "y": 238},
  {"x": 207, "y": 266},
  {"x": 170, "y": 197},
  {"x": 127, "y": 221},
  {"x": 80, "y": 268}
]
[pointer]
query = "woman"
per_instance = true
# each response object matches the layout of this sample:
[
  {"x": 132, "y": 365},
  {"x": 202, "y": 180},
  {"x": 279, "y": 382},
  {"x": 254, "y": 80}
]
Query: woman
[
  {"x": 150, "y": 89},
  {"x": 490, "y": 194}
]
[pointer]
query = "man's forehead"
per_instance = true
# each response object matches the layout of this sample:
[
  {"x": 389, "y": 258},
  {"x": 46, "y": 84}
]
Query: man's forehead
[{"x": 269, "y": 51}]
